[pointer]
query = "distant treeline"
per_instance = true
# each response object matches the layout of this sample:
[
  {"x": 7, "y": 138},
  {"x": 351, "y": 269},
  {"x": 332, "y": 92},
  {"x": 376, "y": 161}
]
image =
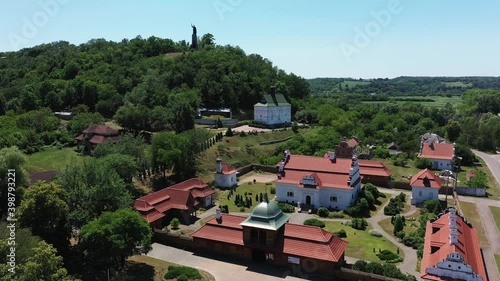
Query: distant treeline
[{"x": 403, "y": 86}]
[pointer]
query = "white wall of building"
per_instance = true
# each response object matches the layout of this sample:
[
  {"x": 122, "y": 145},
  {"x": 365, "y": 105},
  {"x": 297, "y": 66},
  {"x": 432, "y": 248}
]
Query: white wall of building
[
  {"x": 421, "y": 194},
  {"x": 271, "y": 115},
  {"x": 441, "y": 164},
  {"x": 227, "y": 181},
  {"x": 335, "y": 198}
]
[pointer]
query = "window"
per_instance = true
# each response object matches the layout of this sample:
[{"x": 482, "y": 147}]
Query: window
[
  {"x": 289, "y": 194},
  {"x": 333, "y": 198}
]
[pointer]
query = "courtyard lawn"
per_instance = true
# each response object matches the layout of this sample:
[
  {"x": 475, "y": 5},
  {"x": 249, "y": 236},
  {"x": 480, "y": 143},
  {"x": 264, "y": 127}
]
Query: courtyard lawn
[
  {"x": 250, "y": 189},
  {"x": 470, "y": 213},
  {"x": 495, "y": 212},
  {"x": 53, "y": 159},
  {"x": 410, "y": 226},
  {"x": 361, "y": 243},
  {"x": 400, "y": 173}
]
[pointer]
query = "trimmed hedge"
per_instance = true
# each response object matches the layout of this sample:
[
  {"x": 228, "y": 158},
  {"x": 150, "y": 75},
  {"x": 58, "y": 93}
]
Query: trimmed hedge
[
  {"x": 178, "y": 271},
  {"x": 374, "y": 232},
  {"x": 286, "y": 208},
  {"x": 314, "y": 222},
  {"x": 341, "y": 233}
]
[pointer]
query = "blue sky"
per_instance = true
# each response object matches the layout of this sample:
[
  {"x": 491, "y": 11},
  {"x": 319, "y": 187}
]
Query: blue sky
[{"x": 322, "y": 38}]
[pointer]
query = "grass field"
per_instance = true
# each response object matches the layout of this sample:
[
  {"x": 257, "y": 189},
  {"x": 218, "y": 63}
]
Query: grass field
[
  {"x": 53, "y": 159},
  {"x": 470, "y": 213},
  {"x": 457, "y": 84},
  {"x": 361, "y": 243},
  {"x": 495, "y": 212},
  {"x": 240, "y": 151},
  {"x": 439, "y": 101},
  {"x": 400, "y": 173},
  {"x": 250, "y": 189},
  {"x": 409, "y": 227}
]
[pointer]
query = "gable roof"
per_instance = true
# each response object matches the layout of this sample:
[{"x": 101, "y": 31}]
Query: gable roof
[
  {"x": 444, "y": 151},
  {"x": 227, "y": 229},
  {"x": 180, "y": 196},
  {"x": 353, "y": 142},
  {"x": 323, "y": 179},
  {"x": 425, "y": 178},
  {"x": 100, "y": 130},
  {"x": 312, "y": 242},
  {"x": 273, "y": 100},
  {"x": 437, "y": 246},
  {"x": 227, "y": 170}
]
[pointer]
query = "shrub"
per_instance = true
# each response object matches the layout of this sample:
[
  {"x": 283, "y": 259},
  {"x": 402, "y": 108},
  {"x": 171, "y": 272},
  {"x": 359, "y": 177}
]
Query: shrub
[
  {"x": 242, "y": 209},
  {"x": 432, "y": 206},
  {"x": 287, "y": 208},
  {"x": 178, "y": 271},
  {"x": 273, "y": 190},
  {"x": 242, "y": 134},
  {"x": 314, "y": 222},
  {"x": 174, "y": 223},
  {"x": 336, "y": 215},
  {"x": 374, "y": 232},
  {"x": 359, "y": 223},
  {"x": 341, "y": 233},
  {"x": 295, "y": 127},
  {"x": 229, "y": 132},
  {"x": 224, "y": 209},
  {"x": 386, "y": 255},
  {"x": 423, "y": 163},
  {"x": 323, "y": 212},
  {"x": 400, "y": 234}
]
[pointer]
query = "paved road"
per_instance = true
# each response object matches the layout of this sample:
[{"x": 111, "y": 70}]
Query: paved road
[
  {"x": 492, "y": 161},
  {"x": 222, "y": 270}
]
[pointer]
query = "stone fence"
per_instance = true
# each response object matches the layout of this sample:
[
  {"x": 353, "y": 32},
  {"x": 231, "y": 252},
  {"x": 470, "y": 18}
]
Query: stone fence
[
  {"x": 171, "y": 239},
  {"x": 256, "y": 167}
]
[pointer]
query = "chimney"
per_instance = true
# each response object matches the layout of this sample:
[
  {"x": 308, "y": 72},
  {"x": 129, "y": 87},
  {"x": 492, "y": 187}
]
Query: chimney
[
  {"x": 331, "y": 156},
  {"x": 273, "y": 90},
  {"x": 351, "y": 172},
  {"x": 218, "y": 214},
  {"x": 282, "y": 168},
  {"x": 354, "y": 161},
  {"x": 218, "y": 166},
  {"x": 286, "y": 156}
]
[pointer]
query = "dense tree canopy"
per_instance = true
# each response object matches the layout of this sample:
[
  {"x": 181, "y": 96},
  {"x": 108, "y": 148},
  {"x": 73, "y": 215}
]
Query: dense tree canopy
[{"x": 108, "y": 240}]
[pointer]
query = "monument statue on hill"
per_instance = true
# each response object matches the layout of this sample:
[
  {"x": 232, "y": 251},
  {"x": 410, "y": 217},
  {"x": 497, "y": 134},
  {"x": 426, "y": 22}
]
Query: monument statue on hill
[{"x": 194, "y": 38}]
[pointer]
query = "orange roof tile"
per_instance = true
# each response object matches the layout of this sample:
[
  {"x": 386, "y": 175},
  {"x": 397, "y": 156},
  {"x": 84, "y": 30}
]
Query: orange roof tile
[
  {"x": 227, "y": 170},
  {"x": 437, "y": 234},
  {"x": 227, "y": 235},
  {"x": 100, "y": 130},
  {"x": 353, "y": 142},
  {"x": 312, "y": 242},
  {"x": 425, "y": 178},
  {"x": 323, "y": 179},
  {"x": 437, "y": 151}
]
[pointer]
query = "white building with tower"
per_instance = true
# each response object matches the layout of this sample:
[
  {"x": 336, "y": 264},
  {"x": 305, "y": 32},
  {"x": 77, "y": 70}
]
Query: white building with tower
[
  {"x": 224, "y": 175},
  {"x": 316, "y": 182}
]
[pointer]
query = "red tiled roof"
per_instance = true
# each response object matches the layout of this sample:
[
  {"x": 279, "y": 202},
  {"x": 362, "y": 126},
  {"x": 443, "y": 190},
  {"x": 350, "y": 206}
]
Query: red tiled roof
[
  {"x": 97, "y": 139},
  {"x": 227, "y": 170},
  {"x": 312, "y": 242},
  {"x": 437, "y": 151},
  {"x": 323, "y": 179},
  {"x": 341, "y": 166},
  {"x": 468, "y": 246},
  {"x": 353, "y": 142},
  {"x": 79, "y": 138},
  {"x": 227, "y": 230},
  {"x": 100, "y": 130},
  {"x": 179, "y": 196},
  {"x": 418, "y": 179}
]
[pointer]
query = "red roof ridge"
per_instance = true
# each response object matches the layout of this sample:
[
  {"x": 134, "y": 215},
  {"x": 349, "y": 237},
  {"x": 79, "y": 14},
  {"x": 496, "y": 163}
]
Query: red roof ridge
[{"x": 418, "y": 179}]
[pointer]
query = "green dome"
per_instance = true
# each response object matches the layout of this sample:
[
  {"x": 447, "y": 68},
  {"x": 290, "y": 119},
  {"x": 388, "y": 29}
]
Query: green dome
[
  {"x": 266, "y": 210},
  {"x": 267, "y": 215}
]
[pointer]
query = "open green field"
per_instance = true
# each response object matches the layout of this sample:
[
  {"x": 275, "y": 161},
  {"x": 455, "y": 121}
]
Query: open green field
[
  {"x": 251, "y": 191},
  {"x": 457, "y": 84},
  {"x": 495, "y": 212},
  {"x": 470, "y": 213},
  {"x": 400, "y": 173},
  {"x": 353, "y": 83},
  {"x": 439, "y": 101},
  {"x": 53, "y": 159},
  {"x": 361, "y": 243}
]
